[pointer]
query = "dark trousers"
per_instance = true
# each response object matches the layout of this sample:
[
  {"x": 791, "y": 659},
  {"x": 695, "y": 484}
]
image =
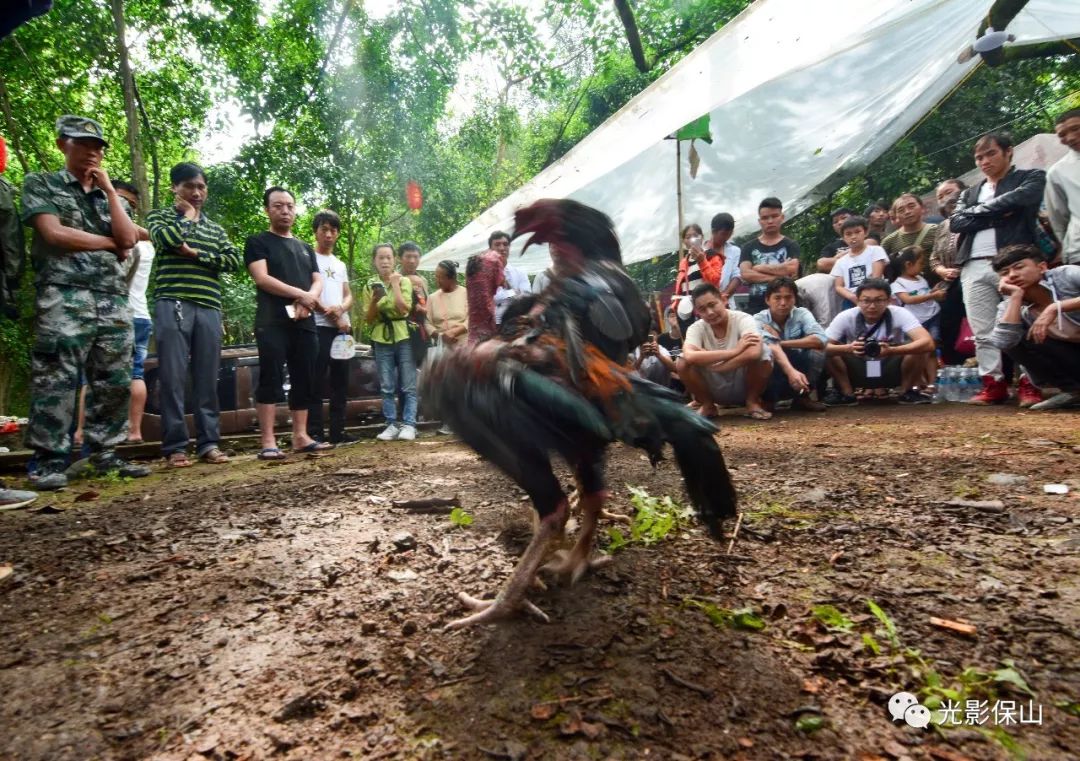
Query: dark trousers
[
  {"x": 188, "y": 336},
  {"x": 339, "y": 384},
  {"x": 1052, "y": 363},
  {"x": 952, "y": 312},
  {"x": 807, "y": 361}
]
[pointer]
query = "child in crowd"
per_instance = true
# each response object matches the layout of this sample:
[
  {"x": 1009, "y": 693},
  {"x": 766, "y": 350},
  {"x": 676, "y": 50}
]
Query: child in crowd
[
  {"x": 388, "y": 296},
  {"x": 914, "y": 293},
  {"x": 861, "y": 261}
]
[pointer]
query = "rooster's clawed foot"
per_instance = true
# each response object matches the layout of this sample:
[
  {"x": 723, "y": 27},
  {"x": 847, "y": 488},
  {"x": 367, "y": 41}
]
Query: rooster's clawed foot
[
  {"x": 573, "y": 564},
  {"x": 490, "y": 611}
]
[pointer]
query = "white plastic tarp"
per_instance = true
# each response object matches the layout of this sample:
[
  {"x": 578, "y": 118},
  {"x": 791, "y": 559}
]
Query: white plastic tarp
[{"x": 802, "y": 95}]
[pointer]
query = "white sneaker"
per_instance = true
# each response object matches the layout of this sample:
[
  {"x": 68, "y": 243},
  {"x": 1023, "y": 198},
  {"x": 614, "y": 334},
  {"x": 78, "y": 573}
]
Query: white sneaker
[
  {"x": 445, "y": 431},
  {"x": 407, "y": 433},
  {"x": 390, "y": 433}
]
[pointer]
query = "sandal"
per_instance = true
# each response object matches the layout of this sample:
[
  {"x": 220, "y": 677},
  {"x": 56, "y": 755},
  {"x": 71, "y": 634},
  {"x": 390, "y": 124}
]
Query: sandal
[
  {"x": 758, "y": 414},
  {"x": 315, "y": 446},
  {"x": 272, "y": 453},
  {"x": 178, "y": 460},
  {"x": 214, "y": 456}
]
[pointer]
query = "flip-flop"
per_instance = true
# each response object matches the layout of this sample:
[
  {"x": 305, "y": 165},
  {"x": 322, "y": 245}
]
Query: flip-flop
[
  {"x": 272, "y": 453},
  {"x": 758, "y": 415},
  {"x": 315, "y": 446}
]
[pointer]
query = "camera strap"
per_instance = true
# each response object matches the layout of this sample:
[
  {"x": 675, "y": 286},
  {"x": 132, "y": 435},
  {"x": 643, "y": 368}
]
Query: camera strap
[{"x": 867, "y": 331}]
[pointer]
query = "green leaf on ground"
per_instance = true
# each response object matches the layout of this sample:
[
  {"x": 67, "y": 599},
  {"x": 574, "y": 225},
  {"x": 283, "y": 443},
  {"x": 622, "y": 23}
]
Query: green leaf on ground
[
  {"x": 460, "y": 518},
  {"x": 832, "y": 618}
]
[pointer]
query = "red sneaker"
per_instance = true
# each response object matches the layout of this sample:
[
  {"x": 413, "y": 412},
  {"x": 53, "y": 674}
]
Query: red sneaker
[
  {"x": 993, "y": 392},
  {"x": 1026, "y": 393}
]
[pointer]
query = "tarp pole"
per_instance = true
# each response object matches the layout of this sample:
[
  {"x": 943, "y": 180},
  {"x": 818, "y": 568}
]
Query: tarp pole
[{"x": 678, "y": 189}]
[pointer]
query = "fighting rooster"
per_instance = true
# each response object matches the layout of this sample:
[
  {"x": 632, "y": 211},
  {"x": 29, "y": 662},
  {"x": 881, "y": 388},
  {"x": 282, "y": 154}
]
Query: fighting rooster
[{"x": 554, "y": 381}]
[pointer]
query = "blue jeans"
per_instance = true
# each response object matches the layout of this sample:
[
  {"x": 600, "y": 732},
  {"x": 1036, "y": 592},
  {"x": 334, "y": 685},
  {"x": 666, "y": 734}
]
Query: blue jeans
[
  {"x": 807, "y": 361},
  {"x": 142, "y": 341},
  {"x": 397, "y": 372}
]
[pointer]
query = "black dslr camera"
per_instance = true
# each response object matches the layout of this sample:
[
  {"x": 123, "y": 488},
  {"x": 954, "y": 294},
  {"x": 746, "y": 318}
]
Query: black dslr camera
[{"x": 871, "y": 348}]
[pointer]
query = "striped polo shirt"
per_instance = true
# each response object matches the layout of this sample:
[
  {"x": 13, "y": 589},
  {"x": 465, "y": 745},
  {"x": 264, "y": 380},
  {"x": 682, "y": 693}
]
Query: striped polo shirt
[{"x": 184, "y": 277}]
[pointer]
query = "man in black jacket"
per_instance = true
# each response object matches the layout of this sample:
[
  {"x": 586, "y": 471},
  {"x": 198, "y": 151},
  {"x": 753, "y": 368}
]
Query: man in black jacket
[{"x": 1000, "y": 211}]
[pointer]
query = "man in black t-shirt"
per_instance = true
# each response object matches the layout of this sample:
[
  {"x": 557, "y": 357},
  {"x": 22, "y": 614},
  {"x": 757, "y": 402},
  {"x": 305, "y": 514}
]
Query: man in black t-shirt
[
  {"x": 768, "y": 256},
  {"x": 289, "y": 284},
  {"x": 831, "y": 251}
]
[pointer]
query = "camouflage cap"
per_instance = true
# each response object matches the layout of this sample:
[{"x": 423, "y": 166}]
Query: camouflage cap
[{"x": 80, "y": 126}]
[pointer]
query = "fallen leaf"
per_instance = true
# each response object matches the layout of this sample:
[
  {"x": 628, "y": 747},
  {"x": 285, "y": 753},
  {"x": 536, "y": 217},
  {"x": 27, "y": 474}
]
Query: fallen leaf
[
  {"x": 745, "y": 742},
  {"x": 87, "y": 496},
  {"x": 542, "y": 711},
  {"x": 5, "y": 572}
]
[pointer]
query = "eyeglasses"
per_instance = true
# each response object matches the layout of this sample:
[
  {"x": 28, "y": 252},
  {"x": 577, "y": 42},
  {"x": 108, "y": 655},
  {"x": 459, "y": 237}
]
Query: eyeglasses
[{"x": 872, "y": 302}]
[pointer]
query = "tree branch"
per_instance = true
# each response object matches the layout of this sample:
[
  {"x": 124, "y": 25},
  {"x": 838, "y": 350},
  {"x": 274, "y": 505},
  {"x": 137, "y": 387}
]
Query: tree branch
[
  {"x": 626, "y": 15},
  {"x": 1001, "y": 15},
  {"x": 1011, "y": 53}
]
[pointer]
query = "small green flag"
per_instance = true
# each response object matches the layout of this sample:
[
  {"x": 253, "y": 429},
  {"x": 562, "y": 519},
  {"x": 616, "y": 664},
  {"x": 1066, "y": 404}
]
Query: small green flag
[{"x": 696, "y": 130}]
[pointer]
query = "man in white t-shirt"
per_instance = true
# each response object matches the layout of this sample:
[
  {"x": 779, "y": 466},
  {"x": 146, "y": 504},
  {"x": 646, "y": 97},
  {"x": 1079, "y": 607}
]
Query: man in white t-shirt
[
  {"x": 515, "y": 282},
  {"x": 861, "y": 261},
  {"x": 724, "y": 359},
  {"x": 139, "y": 265},
  {"x": 337, "y": 300},
  {"x": 876, "y": 345}
]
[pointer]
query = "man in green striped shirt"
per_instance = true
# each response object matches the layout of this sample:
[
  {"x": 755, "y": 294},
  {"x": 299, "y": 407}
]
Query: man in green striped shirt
[{"x": 192, "y": 252}]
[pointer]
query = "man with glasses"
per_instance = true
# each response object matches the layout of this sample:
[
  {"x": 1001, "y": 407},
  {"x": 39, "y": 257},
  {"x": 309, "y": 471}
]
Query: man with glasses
[
  {"x": 82, "y": 234},
  {"x": 875, "y": 346}
]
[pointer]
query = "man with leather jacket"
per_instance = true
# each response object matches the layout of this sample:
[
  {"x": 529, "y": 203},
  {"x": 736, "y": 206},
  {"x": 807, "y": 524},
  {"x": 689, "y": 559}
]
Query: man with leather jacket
[{"x": 1001, "y": 210}]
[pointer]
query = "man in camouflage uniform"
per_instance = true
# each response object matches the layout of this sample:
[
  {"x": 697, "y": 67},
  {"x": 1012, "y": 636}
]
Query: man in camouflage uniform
[
  {"x": 82, "y": 233},
  {"x": 11, "y": 245}
]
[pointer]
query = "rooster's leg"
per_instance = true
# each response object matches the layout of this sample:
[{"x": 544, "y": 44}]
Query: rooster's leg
[
  {"x": 577, "y": 561},
  {"x": 511, "y": 598}
]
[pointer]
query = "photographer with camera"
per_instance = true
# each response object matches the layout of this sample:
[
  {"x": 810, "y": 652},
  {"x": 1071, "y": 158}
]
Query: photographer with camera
[
  {"x": 654, "y": 362},
  {"x": 718, "y": 265},
  {"x": 877, "y": 345}
]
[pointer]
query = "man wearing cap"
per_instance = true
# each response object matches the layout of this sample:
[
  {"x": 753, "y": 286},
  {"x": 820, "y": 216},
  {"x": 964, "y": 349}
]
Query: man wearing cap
[{"x": 82, "y": 233}]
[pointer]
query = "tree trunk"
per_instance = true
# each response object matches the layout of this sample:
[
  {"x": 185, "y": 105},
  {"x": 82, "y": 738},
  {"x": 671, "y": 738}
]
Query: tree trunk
[
  {"x": 152, "y": 141},
  {"x": 127, "y": 81},
  {"x": 626, "y": 15}
]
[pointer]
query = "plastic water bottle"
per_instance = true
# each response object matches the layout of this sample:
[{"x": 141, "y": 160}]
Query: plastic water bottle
[
  {"x": 949, "y": 384},
  {"x": 939, "y": 393}
]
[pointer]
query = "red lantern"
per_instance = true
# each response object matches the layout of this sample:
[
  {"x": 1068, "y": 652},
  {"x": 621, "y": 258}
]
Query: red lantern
[
  {"x": 414, "y": 196},
  {"x": 3, "y": 155}
]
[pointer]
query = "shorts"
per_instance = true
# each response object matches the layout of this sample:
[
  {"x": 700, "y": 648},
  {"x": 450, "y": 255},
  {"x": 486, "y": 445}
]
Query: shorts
[
  {"x": 281, "y": 344},
  {"x": 890, "y": 372},
  {"x": 143, "y": 328},
  {"x": 726, "y": 388},
  {"x": 933, "y": 327}
]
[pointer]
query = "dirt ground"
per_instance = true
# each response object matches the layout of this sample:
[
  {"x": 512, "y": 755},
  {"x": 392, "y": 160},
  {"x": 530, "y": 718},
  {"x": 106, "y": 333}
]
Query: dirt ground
[{"x": 257, "y": 611}]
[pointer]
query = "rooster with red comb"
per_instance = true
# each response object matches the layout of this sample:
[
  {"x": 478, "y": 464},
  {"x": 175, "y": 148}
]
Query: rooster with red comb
[{"x": 554, "y": 381}]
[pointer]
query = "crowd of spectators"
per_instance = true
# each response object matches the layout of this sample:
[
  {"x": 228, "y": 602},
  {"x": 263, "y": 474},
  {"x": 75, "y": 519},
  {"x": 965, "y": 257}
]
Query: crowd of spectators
[{"x": 898, "y": 294}]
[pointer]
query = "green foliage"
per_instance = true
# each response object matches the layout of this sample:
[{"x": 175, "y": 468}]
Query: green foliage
[
  {"x": 460, "y": 518},
  {"x": 809, "y": 723},
  {"x": 832, "y": 618},
  {"x": 890, "y": 627},
  {"x": 744, "y": 619},
  {"x": 655, "y": 518}
]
